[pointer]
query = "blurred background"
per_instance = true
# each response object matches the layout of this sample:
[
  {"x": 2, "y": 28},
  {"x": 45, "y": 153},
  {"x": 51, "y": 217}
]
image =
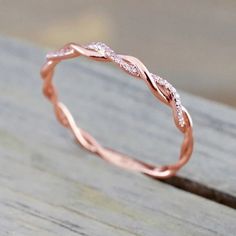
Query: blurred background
[{"x": 191, "y": 43}]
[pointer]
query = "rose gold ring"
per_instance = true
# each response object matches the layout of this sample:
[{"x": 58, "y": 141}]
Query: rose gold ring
[{"x": 160, "y": 88}]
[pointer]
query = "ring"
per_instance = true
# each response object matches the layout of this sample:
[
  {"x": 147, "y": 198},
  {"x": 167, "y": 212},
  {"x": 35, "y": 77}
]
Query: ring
[{"x": 160, "y": 88}]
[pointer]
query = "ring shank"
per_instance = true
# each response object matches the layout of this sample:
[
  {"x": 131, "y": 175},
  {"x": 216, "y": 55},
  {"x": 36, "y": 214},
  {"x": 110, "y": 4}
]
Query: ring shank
[{"x": 89, "y": 143}]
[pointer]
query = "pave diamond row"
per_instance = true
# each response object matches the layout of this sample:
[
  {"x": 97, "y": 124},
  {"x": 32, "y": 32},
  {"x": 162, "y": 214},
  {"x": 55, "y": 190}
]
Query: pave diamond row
[
  {"x": 60, "y": 53},
  {"x": 133, "y": 70},
  {"x": 107, "y": 52},
  {"x": 174, "y": 95}
]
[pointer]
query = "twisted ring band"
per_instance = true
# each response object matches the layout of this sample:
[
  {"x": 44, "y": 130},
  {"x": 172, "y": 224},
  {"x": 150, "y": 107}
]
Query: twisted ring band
[{"x": 160, "y": 88}]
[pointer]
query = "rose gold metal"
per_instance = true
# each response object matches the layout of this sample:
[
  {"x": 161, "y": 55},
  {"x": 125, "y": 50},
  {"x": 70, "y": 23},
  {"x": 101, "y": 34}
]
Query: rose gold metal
[{"x": 160, "y": 88}]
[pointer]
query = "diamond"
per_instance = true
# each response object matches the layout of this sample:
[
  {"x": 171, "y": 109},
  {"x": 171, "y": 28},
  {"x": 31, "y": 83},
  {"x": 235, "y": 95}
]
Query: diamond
[
  {"x": 177, "y": 102},
  {"x": 109, "y": 52},
  {"x": 125, "y": 66},
  {"x": 117, "y": 60},
  {"x": 159, "y": 79},
  {"x": 134, "y": 70},
  {"x": 168, "y": 86},
  {"x": 173, "y": 90},
  {"x": 177, "y": 97},
  {"x": 162, "y": 82}
]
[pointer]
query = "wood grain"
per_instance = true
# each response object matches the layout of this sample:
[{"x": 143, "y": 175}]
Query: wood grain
[{"x": 50, "y": 186}]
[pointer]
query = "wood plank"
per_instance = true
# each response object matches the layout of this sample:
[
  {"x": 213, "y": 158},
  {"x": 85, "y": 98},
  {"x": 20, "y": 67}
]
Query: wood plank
[
  {"x": 45, "y": 171},
  {"x": 126, "y": 202},
  {"x": 29, "y": 216},
  {"x": 120, "y": 112}
]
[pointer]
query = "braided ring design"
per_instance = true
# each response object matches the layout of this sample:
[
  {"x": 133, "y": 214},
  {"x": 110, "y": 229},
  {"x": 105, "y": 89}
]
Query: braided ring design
[{"x": 160, "y": 88}]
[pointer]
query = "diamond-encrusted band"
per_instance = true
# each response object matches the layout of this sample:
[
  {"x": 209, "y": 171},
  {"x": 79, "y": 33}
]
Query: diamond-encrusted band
[
  {"x": 162, "y": 89},
  {"x": 133, "y": 70}
]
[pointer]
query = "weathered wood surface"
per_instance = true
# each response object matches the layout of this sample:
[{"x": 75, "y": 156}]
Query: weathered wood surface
[{"x": 50, "y": 186}]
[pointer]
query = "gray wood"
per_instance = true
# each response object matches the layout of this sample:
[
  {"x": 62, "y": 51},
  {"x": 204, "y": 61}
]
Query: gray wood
[
  {"x": 50, "y": 186},
  {"x": 118, "y": 110}
]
